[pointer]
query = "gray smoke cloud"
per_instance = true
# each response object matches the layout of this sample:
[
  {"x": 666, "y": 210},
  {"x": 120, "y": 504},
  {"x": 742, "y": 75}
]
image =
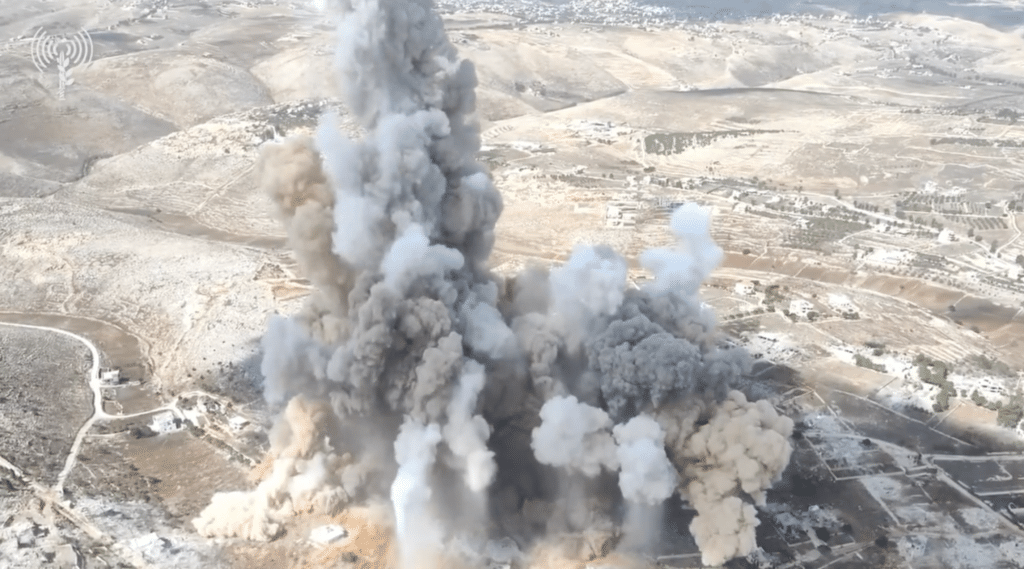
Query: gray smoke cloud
[{"x": 411, "y": 365}]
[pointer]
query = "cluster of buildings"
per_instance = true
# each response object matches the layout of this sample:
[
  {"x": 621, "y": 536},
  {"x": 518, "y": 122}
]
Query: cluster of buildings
[
  {"x": 636, "y": 14},
  {"x": 622, "y": 214},
  {"x": 604, "y": 12}
]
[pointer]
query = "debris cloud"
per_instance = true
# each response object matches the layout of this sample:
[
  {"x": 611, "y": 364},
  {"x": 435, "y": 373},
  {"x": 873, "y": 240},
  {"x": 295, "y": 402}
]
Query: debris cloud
[{"x": 494, "y": 412}]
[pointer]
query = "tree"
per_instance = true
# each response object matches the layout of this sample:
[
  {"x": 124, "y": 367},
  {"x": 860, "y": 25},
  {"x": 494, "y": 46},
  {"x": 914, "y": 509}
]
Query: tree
[
  {"x": 995, "y": 245},
  {"x": 979, "y": 399},
  {"x": 942, "y": 401},
  {"x": 1010, "y": 414},
  {"x": 970, "y": 232}
]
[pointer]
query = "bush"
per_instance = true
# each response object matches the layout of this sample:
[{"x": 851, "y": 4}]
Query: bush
[
  {"x": 1010, "y": 414},
  {"x": 942, "y": 399},
  {"x": 865, "y": 362},
  {"x": 979, "y": 399}
]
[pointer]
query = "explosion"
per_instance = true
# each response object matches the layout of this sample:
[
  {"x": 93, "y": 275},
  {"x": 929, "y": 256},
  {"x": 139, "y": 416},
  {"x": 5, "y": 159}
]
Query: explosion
[{"x": 487, "y": 409}]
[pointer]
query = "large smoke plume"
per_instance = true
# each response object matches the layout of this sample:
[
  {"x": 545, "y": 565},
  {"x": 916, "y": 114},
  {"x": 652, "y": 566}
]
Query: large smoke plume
[{"x": 482, "y": 407}]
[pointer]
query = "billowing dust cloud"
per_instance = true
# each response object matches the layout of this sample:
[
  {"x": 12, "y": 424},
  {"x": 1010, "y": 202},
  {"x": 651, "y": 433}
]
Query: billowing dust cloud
[{"x": 483, "y": 407}]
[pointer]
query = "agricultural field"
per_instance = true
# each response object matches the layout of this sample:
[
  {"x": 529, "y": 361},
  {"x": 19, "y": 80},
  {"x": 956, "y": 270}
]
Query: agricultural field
[{"x": 816, "y": 233}]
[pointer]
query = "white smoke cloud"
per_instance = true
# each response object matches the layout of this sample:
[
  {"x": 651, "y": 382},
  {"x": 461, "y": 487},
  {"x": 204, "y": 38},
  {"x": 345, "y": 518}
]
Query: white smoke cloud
[
  {"x": 418, "y": 529},
  {"x": 591, "y": 283},
  {"x": 575, "y": 435},
  {"x": 690, "y": 263},
  {"x": 466, "y": 434},
  {"x": 646, "y": 475},
  {"x": 487, "y": 333},
  {"x": 412, "y": 257}
]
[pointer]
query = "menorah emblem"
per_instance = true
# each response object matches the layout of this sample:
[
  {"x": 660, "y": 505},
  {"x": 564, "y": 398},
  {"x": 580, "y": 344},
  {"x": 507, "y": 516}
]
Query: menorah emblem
[{"x": 64, "y": 51}]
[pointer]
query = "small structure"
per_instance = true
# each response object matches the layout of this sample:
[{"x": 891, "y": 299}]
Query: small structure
[
  {"x": 66, "y": 557},
  {"x": 745, "y": 288},
  {"x": 195, "y": 417},
  {"x": 237, "y": 423},
  {"x": 110, "y": 376},
  {"x": 800, "y": 307},
  {"x": 166, "y": 422},
  {"x": 621, "y": 214},
  {"x": 328, "y": 534},
  {"x": 841, "y": 303},
  {"x": 946, "y": 236},
  {"x": 149, "y": 545}
]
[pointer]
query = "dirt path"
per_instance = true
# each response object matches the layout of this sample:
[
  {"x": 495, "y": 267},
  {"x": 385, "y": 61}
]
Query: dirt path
[
  {"x": 98, "y": 413},
  {"x": 97, "y": 400},
  {"x": 1016, "y": 230}
]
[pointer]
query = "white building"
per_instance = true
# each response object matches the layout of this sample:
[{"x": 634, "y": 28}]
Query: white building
[
  {"x": 110, "y": 376},
  {"x": 891, "y": 258},
  {"x": 800, "y": 307},
  {"x": 621, "y": 214},
  {"x": 946, "y": 236},
  {"x": 237, "y": 423},
  {"x": 328, "y": 534},
  {"x": 841, "y": 303},
  {"x": 195, "y": 417},
  {"x": 744, "y": 288},
  {"x": 150, "y": 545},
  {"x": 165, "y": 422}
]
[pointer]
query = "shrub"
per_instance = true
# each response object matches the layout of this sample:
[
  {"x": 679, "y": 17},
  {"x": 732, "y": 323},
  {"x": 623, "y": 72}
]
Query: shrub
[{"x": 1010, "y": 414}]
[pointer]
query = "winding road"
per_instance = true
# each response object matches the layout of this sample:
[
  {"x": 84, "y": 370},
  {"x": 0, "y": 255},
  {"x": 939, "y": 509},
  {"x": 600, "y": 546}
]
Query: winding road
[
  {"x": 97, "y": 399},
  {"x": 97, "y": 402},
  {"x": 53, "y": 496}
]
